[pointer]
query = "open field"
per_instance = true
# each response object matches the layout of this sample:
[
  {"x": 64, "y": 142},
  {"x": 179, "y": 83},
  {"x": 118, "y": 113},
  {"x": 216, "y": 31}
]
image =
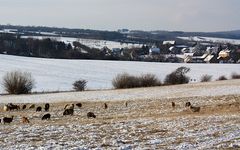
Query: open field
[
  {"x": 145, "y": 123},
  {"x": 57, "y": 74},
  {"x": 217, "y": 88}
]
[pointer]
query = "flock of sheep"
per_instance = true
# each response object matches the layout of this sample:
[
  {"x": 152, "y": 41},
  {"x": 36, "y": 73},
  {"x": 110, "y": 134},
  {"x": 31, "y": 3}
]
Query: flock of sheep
[
  {"x": 68, "y": 110},
  {"x": 188, "y": 104}
]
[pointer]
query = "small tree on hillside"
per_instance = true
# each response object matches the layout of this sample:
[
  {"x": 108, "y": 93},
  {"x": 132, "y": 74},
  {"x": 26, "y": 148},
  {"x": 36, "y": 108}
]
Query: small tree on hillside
[
  {"x": 80, "y": 85},
  {"x": 178, "y": 76},
  {"x": 206, "y": 78}
]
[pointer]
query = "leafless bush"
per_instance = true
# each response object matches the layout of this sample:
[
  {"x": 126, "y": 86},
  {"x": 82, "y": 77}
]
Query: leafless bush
[
  {"x": 17, "y": 82},
  {"x": 80, "y": 85},
  {"x": 177, "y": 77},
  {"x": 206, "y": 78},
  {"x": 148, "y": 80},
  {"x": 221, "y": 78},
  {"x": 235, "y": 76},
  {"x": 125, "y": 80}
]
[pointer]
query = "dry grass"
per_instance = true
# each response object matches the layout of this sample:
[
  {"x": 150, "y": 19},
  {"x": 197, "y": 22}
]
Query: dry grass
[
  {"x": 140, "y": 124},
  {"x": 117, "y": 111}
]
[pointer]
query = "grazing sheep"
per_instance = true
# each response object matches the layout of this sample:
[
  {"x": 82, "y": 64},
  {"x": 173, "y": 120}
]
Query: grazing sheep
[
  {"x": 25, "y": 120},
  {"x": 12, "y": 106},
  {"x": 7, "y": 120},
  {"x": 187, "y": 104},
  {"x": 79, "y": 105},
  {"x": 6, "y": 108},
  {"x": 24, "y": 107},
  {"x": 46, "y": 116},
  {"x": 32, "y": 106},
  {"x": 173, "y": 105},
  {"x": 39, "y": 109},
  {"x": 47, "y": 106},
  {"x": 194, "y": 109},
  {"x": 105, "y": 106},
  {"x": 91, "y": 115},
  {"x": 68, "y": 112}
]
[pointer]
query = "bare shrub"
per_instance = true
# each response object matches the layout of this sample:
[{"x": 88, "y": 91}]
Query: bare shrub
[
  {"x": 80, "y": 85},
  {"x": 148, "y": 80},
  {"x": 177, "y": 77},
  {"x": 221, "y": 78},
  {"x": 17, "y": 82},
  {"x": 235, "y": 76},
  {"x": 122, "y": 81},
  {"x": 206, "y": 78}
]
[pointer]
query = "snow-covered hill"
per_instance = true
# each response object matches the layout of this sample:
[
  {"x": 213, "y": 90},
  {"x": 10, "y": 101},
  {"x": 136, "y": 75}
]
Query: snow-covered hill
[
  {"x": 89, "y": 42},
  {"x": 57, "y": 74},
  {"x": 211, "y": 39}
]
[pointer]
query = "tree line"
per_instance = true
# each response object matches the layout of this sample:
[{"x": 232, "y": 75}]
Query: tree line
[{"x": 46, "y": 48}]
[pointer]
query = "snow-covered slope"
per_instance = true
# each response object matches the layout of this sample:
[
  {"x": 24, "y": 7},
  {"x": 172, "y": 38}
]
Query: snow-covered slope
[
  {"x": 211, "y": 39},
  {"x": 57, "y": 74},
  {"x": 89, "y": 42},
  {"x": 218, "y": 88}
]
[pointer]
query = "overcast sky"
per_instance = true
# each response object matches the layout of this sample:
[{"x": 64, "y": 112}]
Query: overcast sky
[{"x": 185, "y": 15}]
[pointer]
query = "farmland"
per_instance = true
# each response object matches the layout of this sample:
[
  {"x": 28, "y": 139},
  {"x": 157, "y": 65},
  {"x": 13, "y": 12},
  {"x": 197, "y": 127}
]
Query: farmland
[
  {"x": 145, "y": 122},
  {"x": 59, "y": 74}
]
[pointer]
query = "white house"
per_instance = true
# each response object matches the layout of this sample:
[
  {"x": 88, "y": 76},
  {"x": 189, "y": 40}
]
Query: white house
[
  {"x": 169, "y": 42},
  {"x": 154, "y": 50}
]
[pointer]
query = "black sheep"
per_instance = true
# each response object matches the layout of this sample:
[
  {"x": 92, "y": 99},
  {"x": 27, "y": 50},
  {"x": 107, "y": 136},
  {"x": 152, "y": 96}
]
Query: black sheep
[
  {"x": 173, "y": 104},
  {"x": 24, "y": 107},
  {"x": 91, "y": 115},
  {"x": 79, "y": 105},
  {"x": 7, "y": 120},
  {"x": 68, "y": 112},
  {"x": 47, "y": 107},
  {"x": 188, "y": 104},
  {"x": 46, "y": 117},
  {"x": 39, "y": 109},
  {"x": 105, "y": 106},
  {"x": 12, "y": 106}
]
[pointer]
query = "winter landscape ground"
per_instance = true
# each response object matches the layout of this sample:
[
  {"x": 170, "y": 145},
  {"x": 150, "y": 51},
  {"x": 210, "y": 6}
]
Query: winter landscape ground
[
  {"x": 59, "y": 74},
  {"x": 147, "y": 122}
]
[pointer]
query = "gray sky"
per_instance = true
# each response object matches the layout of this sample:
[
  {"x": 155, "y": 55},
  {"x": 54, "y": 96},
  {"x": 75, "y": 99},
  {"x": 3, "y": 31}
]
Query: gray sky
[{"x": 186, "y": 15}]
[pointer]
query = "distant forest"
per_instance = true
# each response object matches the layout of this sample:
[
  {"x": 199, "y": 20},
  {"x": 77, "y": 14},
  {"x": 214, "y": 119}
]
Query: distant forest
[{"x": 46, "y": 48}]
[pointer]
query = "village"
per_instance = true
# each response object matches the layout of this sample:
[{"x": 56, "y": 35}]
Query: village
[
  {"x": 190, "y": 52},
  {"x": 179, "y": 50}
]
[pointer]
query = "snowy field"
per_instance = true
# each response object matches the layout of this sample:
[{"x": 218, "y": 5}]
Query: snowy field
[
  {"x": 57, "y": 74},
  {"x": 211, "y": 39},
  {"x": 228, "y": 87},
  {"x": 89, "y": 42},
  {"x": 141, "y": 118},
  {"x": 142, "y": 124}
]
